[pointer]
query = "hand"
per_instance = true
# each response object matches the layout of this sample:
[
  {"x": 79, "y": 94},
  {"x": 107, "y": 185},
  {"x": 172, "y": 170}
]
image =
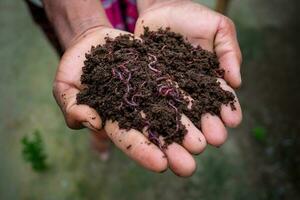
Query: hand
[
  {"x": 213, "y": 32},
  {"x": 66, "y": 86}
]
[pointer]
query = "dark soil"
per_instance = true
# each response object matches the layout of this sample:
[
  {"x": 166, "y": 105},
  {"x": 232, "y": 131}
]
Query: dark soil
[{"x": 136, "y": 82}]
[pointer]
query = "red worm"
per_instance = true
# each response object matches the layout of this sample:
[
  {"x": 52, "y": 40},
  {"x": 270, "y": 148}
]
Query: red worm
[
  {"x": 128, "y": 88},
  {"x": 176, "y": 110},
  {"x": 128, "y": 102},
  {"x": 153, "y": 138},
  {"x": 152, "y": 62},
  {"x": 152, "y": 68},
  {"x": 142, "y": 85},
  {"x": 120, "y": 76},
  {"x": 129, "y": 77},
  {"x": 113, "y": 71},
  {"x": 162, "y": 88},
  {"x": 163, "y": 47},
  {"x": 120, "y": 106},
  {"x": 162, "y": 78},
  {"x": 174, "y": 107}
]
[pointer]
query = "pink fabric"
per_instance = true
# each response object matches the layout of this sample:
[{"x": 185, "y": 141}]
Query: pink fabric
[{"x": 121, "y": 13}]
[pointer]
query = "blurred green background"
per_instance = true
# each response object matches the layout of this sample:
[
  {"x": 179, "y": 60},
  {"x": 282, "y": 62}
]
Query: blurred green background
[{"x": 259, "y": 161}]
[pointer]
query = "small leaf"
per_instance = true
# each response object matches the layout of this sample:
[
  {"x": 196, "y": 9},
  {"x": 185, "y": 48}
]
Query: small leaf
[
  {"x": 33, "y": 151},
  {"x": 259, "y": 133}
]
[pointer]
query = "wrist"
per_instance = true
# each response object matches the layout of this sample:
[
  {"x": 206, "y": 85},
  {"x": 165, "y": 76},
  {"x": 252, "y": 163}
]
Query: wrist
[
  {"x": 79, "y": 29},
  {"x": 99, "y": 31},
  {"x": 74, "y": 18}
]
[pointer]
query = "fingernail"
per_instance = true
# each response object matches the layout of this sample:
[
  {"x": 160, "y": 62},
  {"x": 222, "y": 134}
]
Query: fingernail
[
  {"x": 239, "y": 78},
  {"x": 163, "y": 171},
  {"x": 89, "y": 126}
]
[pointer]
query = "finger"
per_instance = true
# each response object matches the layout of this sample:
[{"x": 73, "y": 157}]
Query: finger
[
  {"x": 100, "y": 135},
  {"x": 145, "y": 21},
  {"x": 137, "y": 147},
  {"x": 181, "y": 162},
  {"x": 76, "y": 116},
  {"x": 68, "y": 84},
  {"x": 70, "y": 67},
  {"x": 228, "y": 51},
  {"x": 231, "y": 117},
  {"x": 213, "y": 129},
  {"x": 100, "y": 142},
  {"x": 194, "y": 141}
]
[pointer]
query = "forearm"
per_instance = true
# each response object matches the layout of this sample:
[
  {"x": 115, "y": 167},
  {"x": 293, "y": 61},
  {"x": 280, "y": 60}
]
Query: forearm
[{"x": 71, "y": 18}]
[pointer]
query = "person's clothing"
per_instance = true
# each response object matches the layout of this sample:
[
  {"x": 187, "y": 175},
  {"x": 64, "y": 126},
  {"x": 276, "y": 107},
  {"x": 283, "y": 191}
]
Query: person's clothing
[{"x": 121, "y": 13}]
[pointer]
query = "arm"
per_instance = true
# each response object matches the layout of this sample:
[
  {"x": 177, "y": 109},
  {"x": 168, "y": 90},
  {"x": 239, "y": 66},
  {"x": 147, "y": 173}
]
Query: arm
[{"x": 73, "y": 18}]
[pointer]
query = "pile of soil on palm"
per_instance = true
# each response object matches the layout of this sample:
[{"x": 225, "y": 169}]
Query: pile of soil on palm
[{"x": 145, "y": 84}]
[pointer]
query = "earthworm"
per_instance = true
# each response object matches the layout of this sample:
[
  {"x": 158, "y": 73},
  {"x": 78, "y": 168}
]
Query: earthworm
[
  {"x": 113, "y": 71},
  {"x": 120, "y": 106},
  {"x": 136, "y": 95},
  {"x": 129, "y": 77},
  {"x": 162, "y": 78},
  {"x": 128, "y": 88},
  {"x": 120, "y": 76},
  {"x": 152, "y": 62},
  {"x": 162, "y": 89},
  {"x": 153, "y": 69},
  {"x": 153, "y": 138},
  {"x": 142, "y": 85},
  {"x": 176, "y": 111},
  {"x": 163, "y": 47},
  {"x": 128, "y": 102},
  {"x": 123, "y": 68}
]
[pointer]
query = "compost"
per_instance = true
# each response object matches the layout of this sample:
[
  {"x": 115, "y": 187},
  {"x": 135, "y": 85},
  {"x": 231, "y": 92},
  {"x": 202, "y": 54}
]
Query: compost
[{"x": 148, "y": 83}]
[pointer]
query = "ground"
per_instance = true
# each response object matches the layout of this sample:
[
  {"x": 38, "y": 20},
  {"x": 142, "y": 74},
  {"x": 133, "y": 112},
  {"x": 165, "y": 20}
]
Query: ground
[{"x": 246, "y": 167}]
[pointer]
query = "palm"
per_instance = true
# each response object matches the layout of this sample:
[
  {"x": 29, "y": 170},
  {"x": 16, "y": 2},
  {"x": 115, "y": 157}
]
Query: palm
[
  {"x": 66, "y": 86},
  {"x": 201, "y": 26},
  {"x": 213, "y": 32},
  {"x": 67, "y": 82}
]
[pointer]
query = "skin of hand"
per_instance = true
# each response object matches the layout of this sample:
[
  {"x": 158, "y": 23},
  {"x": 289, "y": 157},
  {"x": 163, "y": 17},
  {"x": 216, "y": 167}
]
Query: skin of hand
[
  {"x": 80, "y": 25},
  {"x": 133, "y": 143},
  {"x": 66, "y": 86},
  {"x": 214, "y": 32}
]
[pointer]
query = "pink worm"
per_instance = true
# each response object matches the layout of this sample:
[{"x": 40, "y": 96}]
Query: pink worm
[
  {"x": 176, "y": 110},
  {"x": 165, "y": 90},
  {"x": 120, "y": 76},
  {"x": 152, "y": 68},
  {"x": 152, "y": 62},
  {"x": 113, "y": 71},
  {"x": 154, "y": 138},
  {"x": 128, "y": 102},
  {"x": 162, "y": 78},
  {"x": 129, "y": 77}
]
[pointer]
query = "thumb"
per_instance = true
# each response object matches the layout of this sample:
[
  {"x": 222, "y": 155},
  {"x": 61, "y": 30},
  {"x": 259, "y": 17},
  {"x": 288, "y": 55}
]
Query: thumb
[
  {"x": 76, "y": 116},
  {"x": 228, "y": 51}
]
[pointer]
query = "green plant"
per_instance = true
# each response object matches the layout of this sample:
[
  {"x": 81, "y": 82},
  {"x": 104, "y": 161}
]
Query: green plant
[
  {"x": 259, "y": 133},
  {"x": 33, "y": 151}
]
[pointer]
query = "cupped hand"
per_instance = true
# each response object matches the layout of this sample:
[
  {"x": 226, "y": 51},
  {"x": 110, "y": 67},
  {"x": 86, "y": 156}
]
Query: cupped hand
[
  {"x": 213, "y": 32},
  {"x": 201, "y": 26},
  {"x": 66, "y": 86},
  {"x": 133, "y": 143}
]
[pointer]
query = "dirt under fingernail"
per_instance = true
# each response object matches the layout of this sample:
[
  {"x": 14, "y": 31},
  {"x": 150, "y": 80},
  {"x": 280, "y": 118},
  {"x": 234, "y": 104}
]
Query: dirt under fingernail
[{"x": 126, "y": 77}]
